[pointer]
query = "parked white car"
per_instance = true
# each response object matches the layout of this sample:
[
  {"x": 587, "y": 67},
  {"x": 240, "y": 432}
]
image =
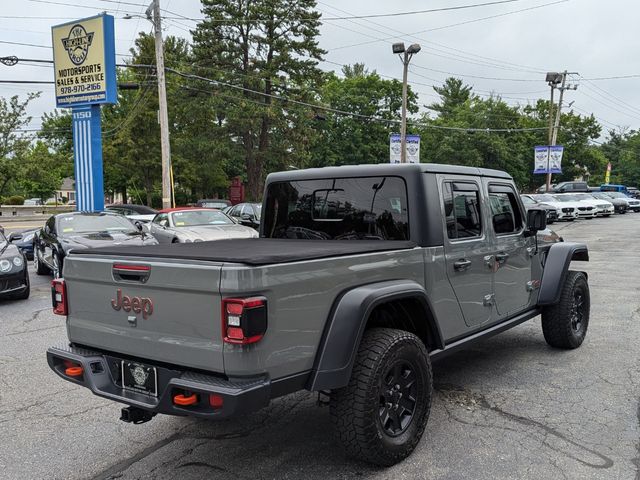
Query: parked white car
[
  {"x": 186, "y": 225},
  {"x": 586, "y": 208},
  {"x": 565, "y": 210},
  {"x": 604, "y": 207}
]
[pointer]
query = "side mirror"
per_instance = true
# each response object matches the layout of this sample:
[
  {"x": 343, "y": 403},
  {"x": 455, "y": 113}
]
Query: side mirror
[
  {"x": 536, "y": 220},
  {"x": 138, "y": 225},
  {"x": 15, "y": 236},
  {"x": 246, "y": 217}
]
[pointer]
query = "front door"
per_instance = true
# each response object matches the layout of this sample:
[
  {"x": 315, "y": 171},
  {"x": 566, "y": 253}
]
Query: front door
[
  {"x": 512, "y": 251},
  {"x": 467, "y": 251}
]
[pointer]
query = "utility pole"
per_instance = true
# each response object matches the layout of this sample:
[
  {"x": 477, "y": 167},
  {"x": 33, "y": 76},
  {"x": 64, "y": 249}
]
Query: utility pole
[
  {"x": 153, "y": 13},
  {"x": 405, "y": 57},
  {"x": 554, "y": 79}
]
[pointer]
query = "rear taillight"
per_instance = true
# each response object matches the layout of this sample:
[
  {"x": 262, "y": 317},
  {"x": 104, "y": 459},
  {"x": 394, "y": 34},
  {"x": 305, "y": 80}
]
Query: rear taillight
[
  {"x": 59, "y": 296},
  {"x": 244, "y": 320}
]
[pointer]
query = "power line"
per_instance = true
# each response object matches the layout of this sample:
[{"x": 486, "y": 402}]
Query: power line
[
  {"x": 473, "y": 55},
  {"x": 415, "y": 12},
  {"x": 345, "y": 113},
  {"x": 605, "y": 94},
  {"x": 350, "y": 17},
  {"x": 51, "y": 2},
  {"x": 456, "y": 24}
]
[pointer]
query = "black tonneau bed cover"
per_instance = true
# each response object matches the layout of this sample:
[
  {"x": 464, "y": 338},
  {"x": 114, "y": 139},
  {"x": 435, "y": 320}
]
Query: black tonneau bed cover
[{"x": 253, "y": 251}]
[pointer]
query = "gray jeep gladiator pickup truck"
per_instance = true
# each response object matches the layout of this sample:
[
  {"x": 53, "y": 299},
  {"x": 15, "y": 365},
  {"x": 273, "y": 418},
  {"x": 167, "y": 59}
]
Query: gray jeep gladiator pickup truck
[{"x": 362, "y": 276}]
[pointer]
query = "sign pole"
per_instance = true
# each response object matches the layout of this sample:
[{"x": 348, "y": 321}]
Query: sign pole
[{"x": 87, "y": 156}]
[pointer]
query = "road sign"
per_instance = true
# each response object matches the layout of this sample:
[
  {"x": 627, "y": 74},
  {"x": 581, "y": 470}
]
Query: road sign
[{"x": 84, "y": 60}]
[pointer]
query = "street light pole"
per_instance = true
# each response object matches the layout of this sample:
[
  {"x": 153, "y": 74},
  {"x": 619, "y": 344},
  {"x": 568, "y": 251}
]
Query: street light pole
[
  {"x": 405, "y": 57},
  {"x": 163, "y": 114},
  {"x": 403, "y": 125}
]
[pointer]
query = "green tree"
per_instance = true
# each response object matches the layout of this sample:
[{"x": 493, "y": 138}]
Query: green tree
[
  {"x": 453, "y": 94},
  {"x": 42, "y": 171},
  {"x": 13, "y": 144},
  {"x": 355, "y": 136},
  {"x": 263, "y": 46}
]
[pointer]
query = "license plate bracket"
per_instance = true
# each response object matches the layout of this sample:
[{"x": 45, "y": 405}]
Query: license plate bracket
[{"x": 139, "y": 378}]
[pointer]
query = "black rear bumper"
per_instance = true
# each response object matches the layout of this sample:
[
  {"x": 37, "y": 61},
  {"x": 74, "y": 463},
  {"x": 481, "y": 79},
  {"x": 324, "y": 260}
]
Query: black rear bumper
[{"x": 100, "y": 375}]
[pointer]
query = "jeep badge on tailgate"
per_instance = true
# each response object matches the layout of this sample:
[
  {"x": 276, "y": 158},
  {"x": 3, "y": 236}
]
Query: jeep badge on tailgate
[{"x": 142, "y": 305}]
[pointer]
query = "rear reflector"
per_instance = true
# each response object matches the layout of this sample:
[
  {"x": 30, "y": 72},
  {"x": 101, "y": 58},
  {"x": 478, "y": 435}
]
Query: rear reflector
[
  {"x": 216, "y": 400},
  {"x": 59, "y": 296},
  {"x": 244, "y": 320},
  {"x": 185, "y": 400},
  {"x": 76, "y": 371}
]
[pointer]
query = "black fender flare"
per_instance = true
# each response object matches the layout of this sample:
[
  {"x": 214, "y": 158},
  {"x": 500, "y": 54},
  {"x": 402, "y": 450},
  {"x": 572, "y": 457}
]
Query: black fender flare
[
  {"x": 556, "y": 266},
  {"x": 346, "y": 323}
]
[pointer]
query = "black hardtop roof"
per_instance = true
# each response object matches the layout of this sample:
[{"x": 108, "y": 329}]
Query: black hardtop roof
[{"x": 383, "y": 169}]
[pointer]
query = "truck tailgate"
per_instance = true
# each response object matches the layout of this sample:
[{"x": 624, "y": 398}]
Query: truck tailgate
[{"x": 148, "y": 308}]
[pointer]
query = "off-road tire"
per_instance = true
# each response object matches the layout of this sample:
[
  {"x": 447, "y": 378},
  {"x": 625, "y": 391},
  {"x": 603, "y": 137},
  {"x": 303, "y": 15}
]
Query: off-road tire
[
  {"x": 356, "y": 409},
  {"x": 560, "y": 325}
]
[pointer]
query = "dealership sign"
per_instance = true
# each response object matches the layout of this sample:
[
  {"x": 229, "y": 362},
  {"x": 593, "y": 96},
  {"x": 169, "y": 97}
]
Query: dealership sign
[
  {"x": 548, "y": 159},
  {"x": 412, "y": 148},
  {"x": 84, "y": 60}
]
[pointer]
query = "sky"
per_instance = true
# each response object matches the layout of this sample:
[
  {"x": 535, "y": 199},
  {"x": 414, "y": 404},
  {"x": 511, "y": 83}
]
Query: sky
[{"x": 512, "y": 50}]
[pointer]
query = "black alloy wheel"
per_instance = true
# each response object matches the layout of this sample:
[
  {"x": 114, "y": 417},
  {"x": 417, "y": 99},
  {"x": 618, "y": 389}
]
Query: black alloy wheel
[{"x": 398, "y": 393}]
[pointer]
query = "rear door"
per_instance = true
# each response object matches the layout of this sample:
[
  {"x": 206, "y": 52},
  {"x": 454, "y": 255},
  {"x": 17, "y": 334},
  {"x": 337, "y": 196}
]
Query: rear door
[
  {"x": 467, "y": 251},
  {"x": 512, "y": 251},
  {"x": 162, "y": 310}
]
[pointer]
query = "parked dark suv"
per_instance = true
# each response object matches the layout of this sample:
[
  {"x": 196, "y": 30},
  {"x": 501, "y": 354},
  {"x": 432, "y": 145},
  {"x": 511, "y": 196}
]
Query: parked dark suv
[{"x": 571, "y": 187}]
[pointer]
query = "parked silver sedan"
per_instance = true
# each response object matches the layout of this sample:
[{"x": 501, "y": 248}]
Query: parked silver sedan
[{"x": 185, "y": 225}]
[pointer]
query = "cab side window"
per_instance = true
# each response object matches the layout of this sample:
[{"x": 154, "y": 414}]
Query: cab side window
[
  {"x": 506, "y": 217},
  {"x": 462, "y": 210},
  {"x": 162, "y": 220}
]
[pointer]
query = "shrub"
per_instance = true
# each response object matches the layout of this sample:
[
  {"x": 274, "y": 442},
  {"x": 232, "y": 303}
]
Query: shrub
[{"x": 14, "y": 200}]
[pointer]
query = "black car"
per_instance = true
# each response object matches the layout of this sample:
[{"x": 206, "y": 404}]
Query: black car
[
  {"x": 79, "y": 230},
  {"x": 14, "y": 278},
  {"x": 247, "y": 214},
  {"x": 23, "y": 239},
  {"x": 128, "y": 209}
]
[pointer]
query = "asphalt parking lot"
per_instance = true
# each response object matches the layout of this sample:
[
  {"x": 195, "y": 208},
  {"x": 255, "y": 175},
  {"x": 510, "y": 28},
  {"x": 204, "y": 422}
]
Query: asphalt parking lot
[{"x": 510, "y": 407}]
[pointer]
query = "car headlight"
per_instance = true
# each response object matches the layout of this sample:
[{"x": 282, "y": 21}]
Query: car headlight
[
  {"x": 28, "y": 238},
  {"x": 17, "y": 261},
  {"x": 5, "y": 265}
]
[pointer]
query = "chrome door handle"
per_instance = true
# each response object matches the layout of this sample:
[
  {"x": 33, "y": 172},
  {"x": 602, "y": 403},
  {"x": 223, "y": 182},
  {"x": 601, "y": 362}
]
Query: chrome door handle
[{"x": 462, "y": 264}]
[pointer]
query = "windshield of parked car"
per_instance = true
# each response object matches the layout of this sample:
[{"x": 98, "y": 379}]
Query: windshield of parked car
[
  {"x": 528, "y": 200},
  {"x": 545, "y": 198},
  {"x": 566, "y": 198},
  {"x": 616, "y": 195},
  {"x": 372, "y": 208},
  {"x": 192, "y": 218},
  {"x": 214, "y": 204},
  {"x": 258, "y": 209},
  {"x": 74, "y": 224}
]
